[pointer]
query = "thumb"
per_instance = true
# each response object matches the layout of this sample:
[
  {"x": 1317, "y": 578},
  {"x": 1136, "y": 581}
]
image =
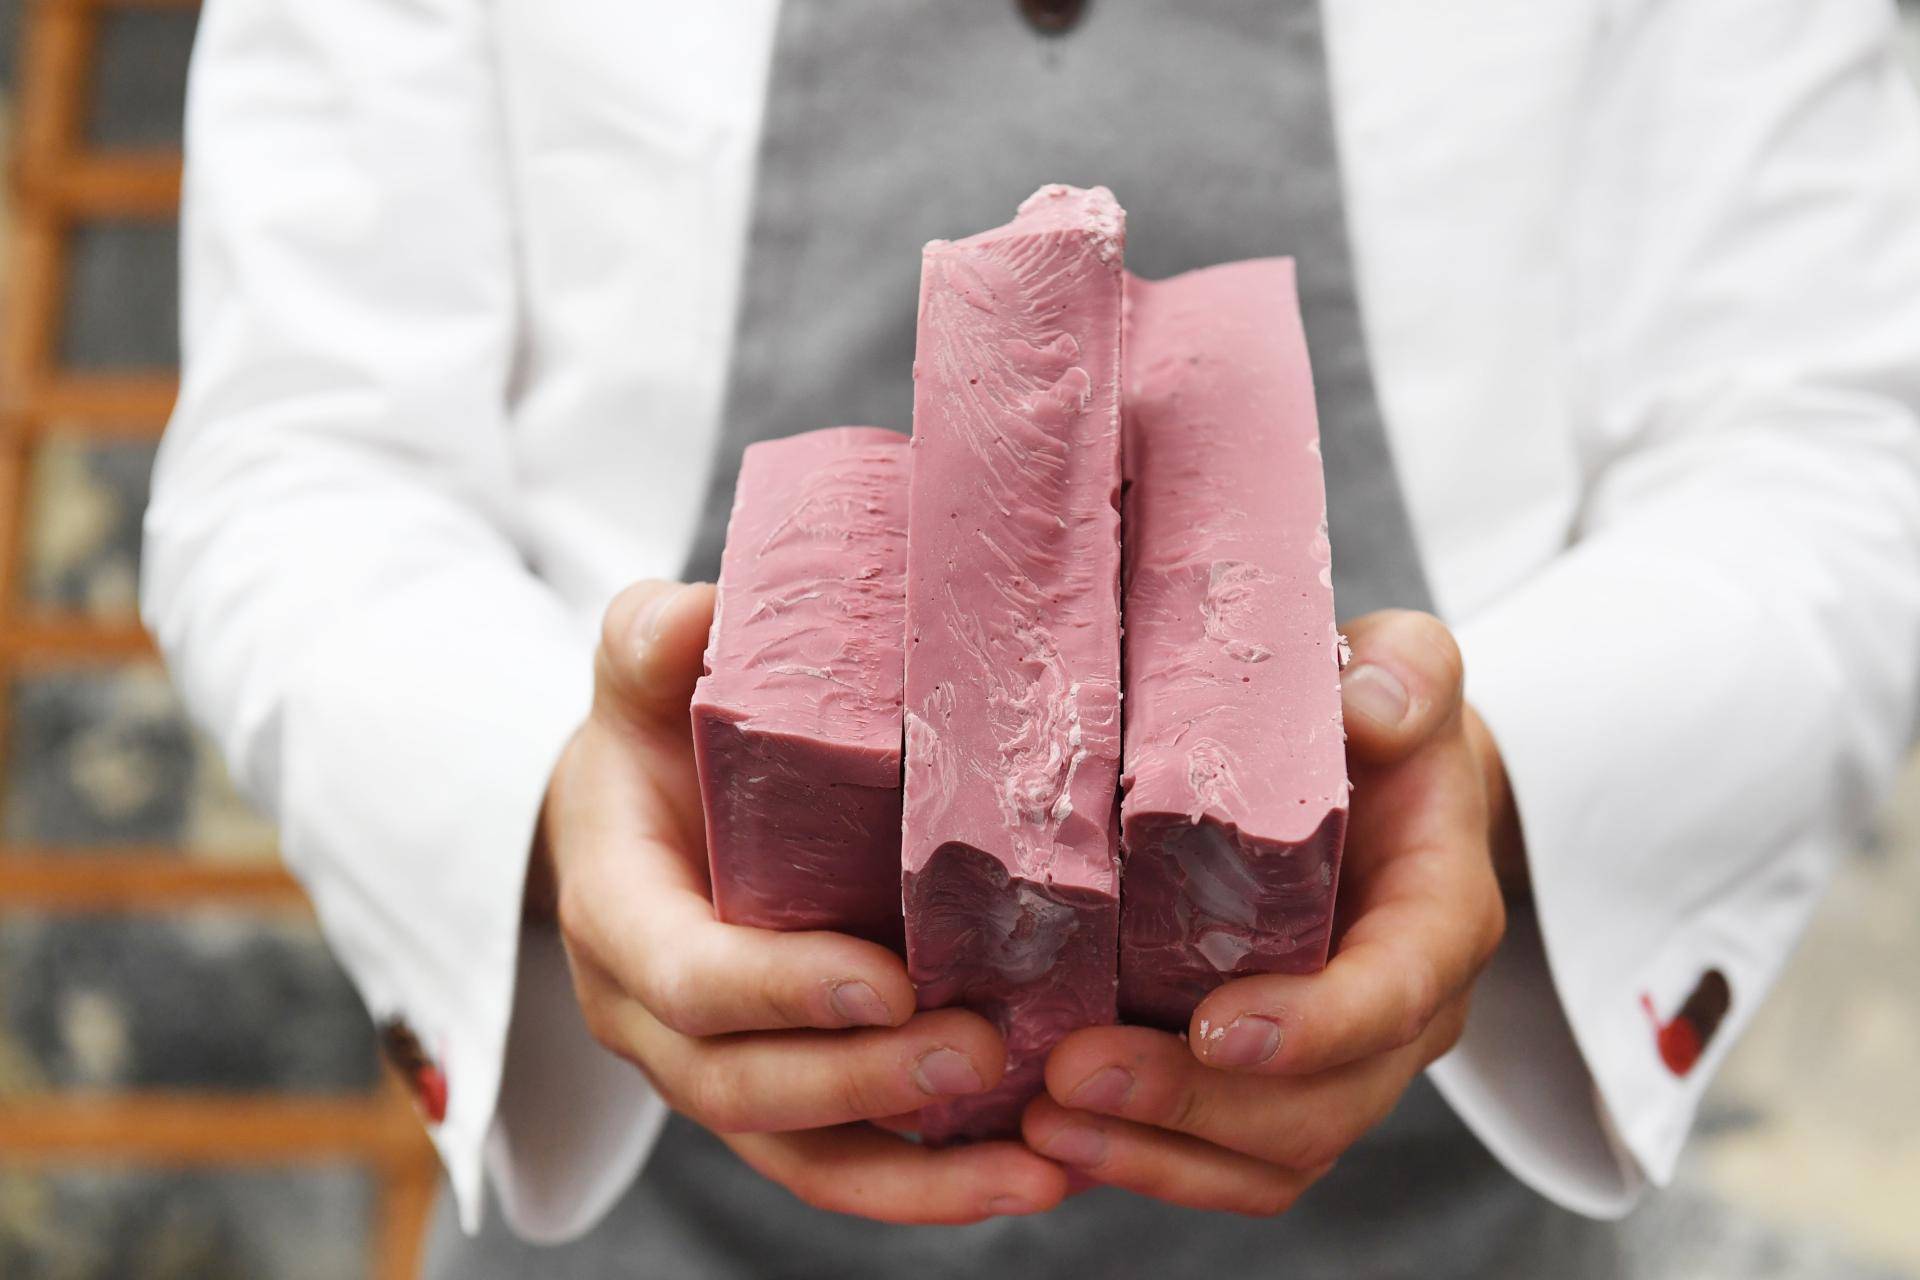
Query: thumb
[
  {"x": 651, "y": 644},
  {"x": 1402, "y": 686}
]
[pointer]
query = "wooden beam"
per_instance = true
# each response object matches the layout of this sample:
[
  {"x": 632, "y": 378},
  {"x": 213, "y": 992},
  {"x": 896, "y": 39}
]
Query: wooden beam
[
  {"x": 57, "y": 49},
  {"x": 13, "y": 490},
  {"x": 134, "y": 404},
  {"x": 134, "y": 880},
  {"x": 35, "y": 268},
  {"x": 110, "y": 6},
  {"x": 43, "y": 641},
  {"x": 177, "y": 1129},
  {"x": 180, "y": 6},
  {"x": 131, "y": 184},
  {"x": 407, "y": 1196}
]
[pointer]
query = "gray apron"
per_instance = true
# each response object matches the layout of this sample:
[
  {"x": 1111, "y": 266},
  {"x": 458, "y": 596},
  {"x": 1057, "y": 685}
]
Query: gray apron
[{"x": 890, "y": 123}]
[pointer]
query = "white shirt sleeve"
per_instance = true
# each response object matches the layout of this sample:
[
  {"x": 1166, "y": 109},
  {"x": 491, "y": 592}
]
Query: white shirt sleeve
[
  {"x": 331, "y": 562},
  {"x": 1701, "y": 698}
]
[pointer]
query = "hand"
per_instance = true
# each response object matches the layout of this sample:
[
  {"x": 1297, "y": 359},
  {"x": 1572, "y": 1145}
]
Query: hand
[
  {"x": 1246, "y": 1118},
  {"x": 781, "y": 1043}
]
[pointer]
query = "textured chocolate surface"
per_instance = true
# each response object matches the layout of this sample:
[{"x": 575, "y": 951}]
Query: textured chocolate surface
[
  {"x": 1235, "y": 786},
  {"x": 1012, "y": 719},
  {"x": 797, "y": 721}
]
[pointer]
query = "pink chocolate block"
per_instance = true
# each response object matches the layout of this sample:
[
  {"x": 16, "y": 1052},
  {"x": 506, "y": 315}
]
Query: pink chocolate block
[
  {"x": 1013, "y": 636},
  {"x": 1235, "y": 792},
  {"x": 796, "y": 724}
]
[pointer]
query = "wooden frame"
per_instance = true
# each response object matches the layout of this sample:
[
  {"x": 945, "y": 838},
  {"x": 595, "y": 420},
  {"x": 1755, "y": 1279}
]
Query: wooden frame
[{"x": 56, "y": 184}]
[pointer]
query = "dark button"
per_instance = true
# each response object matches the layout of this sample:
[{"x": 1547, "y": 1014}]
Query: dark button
[{"x": 1053, "y": 17}]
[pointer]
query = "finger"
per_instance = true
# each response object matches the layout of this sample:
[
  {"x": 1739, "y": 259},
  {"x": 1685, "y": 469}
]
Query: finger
[
  {"x": 904, "y": 1123},
  {"x": 1423, "y": 913},
  {"x": 704, "y": 978},
  {"x": 1423, "y": 928},
  {"x": 1149, "y": 1077},
  {"x": 1401, "y": 686},
  {"x": 636, "y": 901},
  {"x": 1301, "y": 1124},
  {"x": 1154, "y": 1162},
  {"x": 861, "y": 1171},
  {"x": 652, "y": 640},
  {"x": 808, "y": 1079}
]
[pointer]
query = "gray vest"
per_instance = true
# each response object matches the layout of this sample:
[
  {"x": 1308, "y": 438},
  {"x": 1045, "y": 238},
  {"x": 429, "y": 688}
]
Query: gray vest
[{"x": 893, "y": 122}]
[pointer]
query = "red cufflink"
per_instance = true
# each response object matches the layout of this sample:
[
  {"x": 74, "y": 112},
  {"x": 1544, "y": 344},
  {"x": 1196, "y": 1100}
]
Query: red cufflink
[
  {"x": 423, "y": 1075},
  {"x": 1681, "y": 1041}
]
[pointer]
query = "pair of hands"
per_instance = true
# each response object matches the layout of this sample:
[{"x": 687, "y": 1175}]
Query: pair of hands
[{"x": 804, "y": 1052}]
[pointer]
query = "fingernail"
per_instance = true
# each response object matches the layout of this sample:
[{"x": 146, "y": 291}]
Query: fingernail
[
  {"x": 1376, "y": 693},
  {"x": 1105, "y": 1090},
  {"x": 1001, "y": 1205},
  {"x": 649, "y": 625},
  {"x": 860, "y": 1004},
  {"x": 1249, "y": 1040},
  {"x": 944, "y": 1071},
  {"x": 1077, "y": 1144}
]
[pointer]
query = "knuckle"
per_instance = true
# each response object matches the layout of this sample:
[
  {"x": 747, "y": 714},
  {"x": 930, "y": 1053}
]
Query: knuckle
[
  {"x": 1185, "y": 1110},
  {"x": 1312, "y": 1145},
  {"x": 672, "y": 995},
  {"x": 602, "y": 1027},
  {"x": 1494, "y": 927},
  {"x": 674, "y": 1092},
  {"x": 785, "y": 1005},
  {"x": 716, "y": 1100},
  {"x": 861, "y": 1098},
  {"x": 1266, "y": 1201},
  {"x": 1421, "y": 1000},
  {"x": 571, "y": 908}
]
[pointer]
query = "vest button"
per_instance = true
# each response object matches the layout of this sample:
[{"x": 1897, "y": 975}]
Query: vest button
[{"x": 1052, "y": 17}]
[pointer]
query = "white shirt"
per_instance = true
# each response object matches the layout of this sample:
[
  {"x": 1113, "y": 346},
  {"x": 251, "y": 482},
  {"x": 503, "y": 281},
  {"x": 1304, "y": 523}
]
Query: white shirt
[{"x": 1641, "y": 282}]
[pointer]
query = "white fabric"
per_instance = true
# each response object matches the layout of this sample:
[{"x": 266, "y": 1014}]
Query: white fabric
[{"x": 1642, "y": 284}]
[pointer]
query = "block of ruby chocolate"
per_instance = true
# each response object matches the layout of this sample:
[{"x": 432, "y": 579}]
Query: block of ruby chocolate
[
  {"x": 1235, "y": 789},
  {"x": 796, "y": 722},
  {"x": 1011, "y": 882}
]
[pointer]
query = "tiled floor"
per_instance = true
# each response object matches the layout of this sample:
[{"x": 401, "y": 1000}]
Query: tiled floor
[{"x": 1806, "y": 1165}]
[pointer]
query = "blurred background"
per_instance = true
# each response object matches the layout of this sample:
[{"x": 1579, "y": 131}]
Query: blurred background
[{"x": 189, "y": 1088}]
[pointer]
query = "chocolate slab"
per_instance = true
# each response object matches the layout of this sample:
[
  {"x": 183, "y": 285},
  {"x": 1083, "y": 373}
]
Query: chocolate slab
[
  {"x": 1235, "y": 787},
  {"x": 1013, "y": 649},
  {"x": 796, "y": 722}
]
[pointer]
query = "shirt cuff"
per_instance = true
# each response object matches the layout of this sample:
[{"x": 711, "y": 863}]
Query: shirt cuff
[
  {"x": 1666, "y": 898},
  {"x": 575, "y": 1122},
  {"x": 420, "y": 733}
]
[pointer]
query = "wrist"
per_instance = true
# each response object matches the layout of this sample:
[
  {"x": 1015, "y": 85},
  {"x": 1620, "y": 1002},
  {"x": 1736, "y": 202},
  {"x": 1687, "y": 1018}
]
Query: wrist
[
  {"x": 1505, "y": 840},
  {"x": 540, "y": 898}
]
